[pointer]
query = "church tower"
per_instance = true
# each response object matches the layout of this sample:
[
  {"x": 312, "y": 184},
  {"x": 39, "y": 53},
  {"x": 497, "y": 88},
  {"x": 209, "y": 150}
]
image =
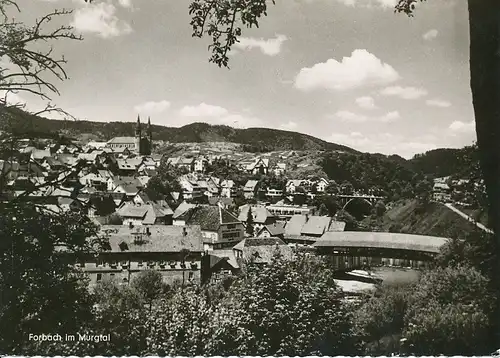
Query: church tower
[
  {"x": 138, "y": 136},
  {"x": 150, "y": 137}
]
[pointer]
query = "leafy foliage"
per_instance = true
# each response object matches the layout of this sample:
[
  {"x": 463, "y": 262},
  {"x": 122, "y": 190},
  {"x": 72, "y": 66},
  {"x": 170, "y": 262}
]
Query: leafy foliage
[
  {"x": 41, "y": 291},
  {"x": 286, "y": 308}
]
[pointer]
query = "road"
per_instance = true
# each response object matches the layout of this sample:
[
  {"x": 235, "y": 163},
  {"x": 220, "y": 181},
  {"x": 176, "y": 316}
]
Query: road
[{"x": 467, "y": 217}]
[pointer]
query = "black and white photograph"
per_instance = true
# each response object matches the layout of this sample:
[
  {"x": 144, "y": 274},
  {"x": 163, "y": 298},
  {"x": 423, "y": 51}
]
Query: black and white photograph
[{"x": 249, "y": 178}]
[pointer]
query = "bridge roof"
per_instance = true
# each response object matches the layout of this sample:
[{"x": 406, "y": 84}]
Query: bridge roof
[{"x": 381, "y": 240}]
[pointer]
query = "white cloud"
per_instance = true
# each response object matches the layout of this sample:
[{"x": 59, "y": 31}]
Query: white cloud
[
  {"x": 152, "y": 107},
  {"x": 361, "y": 69},
  {"x": 290, "y": 125},
  {"x": 386, "y": 143},
  {"x": 462, "y": 127},
  {"x": 203, "y": 110},
  {"x": 100, "y": 18},
  {"x": 216, "y": 115},
  {"x": 438, "y": 103},
  {"x": 366, "y": 102},
  {"x": 404, "y": 92},
  {"x": 348, "y": 116},
  {"x": 125, "y": 3},
  {"x": 12, "y": 98},
  {"x": 269, "y": 47},
  {"x": 430, "y": 35},
  {"x": 370, "y": 3},
  {"x": 390, "y": 117}
]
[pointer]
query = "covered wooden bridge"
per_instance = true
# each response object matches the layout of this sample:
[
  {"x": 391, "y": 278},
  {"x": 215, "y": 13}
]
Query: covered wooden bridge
[{"x": 355, "y": 249}]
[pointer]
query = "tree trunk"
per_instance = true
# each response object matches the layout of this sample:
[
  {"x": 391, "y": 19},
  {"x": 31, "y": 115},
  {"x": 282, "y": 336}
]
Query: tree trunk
[{"x": 484, "y": 21}]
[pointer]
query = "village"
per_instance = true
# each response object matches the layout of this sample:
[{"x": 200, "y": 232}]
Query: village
[{"x": 201, "y": 233}]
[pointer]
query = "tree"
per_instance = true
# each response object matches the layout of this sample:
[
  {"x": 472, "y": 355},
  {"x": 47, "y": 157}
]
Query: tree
[
  {"x": 180, "y": 326},
  {"x": 380, "y": 208},
  {"x": 41, "y": 289},
  {"x": 249, "y": 229},
  {"x": 149, "y": 284},
  {"x": 285, "y": 308},
  {"x": 450, "y": 313},
  {"x": 30, "y": 64},
  {"x": 120, "y": 310}
]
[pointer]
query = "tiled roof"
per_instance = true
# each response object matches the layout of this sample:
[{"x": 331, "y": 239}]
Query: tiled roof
[
  {"x": 122, "y": 140},
  {"x": 294, "y": 225},
  {"x": 260, "y": 214},
  {"x": 207, "y": 217},
  {"x": 162, "y": 238},
  {"x": 132, "y": 211},
  {"x": 227, "y": 217},
  {"x": 182, "y": 208},
  {"x": 316, "y": 225},
  {"x": 337, "y": 226},
  {"x": 275, "y": 229}
]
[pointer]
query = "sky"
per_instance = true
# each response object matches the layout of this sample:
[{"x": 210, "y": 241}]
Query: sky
[{"x": 347, "y": 71}]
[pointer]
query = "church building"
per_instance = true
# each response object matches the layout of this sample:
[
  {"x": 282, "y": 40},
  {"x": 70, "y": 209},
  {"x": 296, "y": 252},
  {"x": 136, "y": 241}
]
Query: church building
[{"x": 140, "y": 144}]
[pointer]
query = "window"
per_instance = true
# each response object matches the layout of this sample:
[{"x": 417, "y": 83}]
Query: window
[
  {"x": 231, "y": 226},
  {"x": 191, "y": 276},
  {"x": 139, "y": 263},
  {"x": 99, "y": 277}
]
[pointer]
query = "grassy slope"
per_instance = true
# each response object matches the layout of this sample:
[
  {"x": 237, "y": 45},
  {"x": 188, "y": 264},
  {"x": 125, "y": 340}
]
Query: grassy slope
[{"x": 436, "y": 220}]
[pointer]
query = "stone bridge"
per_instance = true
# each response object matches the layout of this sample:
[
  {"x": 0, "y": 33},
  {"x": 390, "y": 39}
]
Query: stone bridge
[{"x": 344, "y": 200}]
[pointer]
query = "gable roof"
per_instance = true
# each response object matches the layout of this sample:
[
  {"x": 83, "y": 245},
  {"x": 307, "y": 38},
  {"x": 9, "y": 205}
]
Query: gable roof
[
  {"x": 162, "y": 238},
  {"x": 208, "y": 217},
  {"x": 316, "y": 225},
  {"x": 294, "y": 225},
  {"x": 275, "y": 229},
  {"x": 250, "y": 185},
  {"x": 260, "y": 214},
  {"x": 182, "y": 208},
  {"x": 122, "y": 140}
]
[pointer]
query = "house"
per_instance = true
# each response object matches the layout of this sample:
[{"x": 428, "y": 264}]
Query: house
[
  {"x": 99, "y": 204},
  {"x": 274, "y": 193},
  {"x": 217, "y": 224},
  {"x": 174, "y": 251},
  {"x": 228, "y": 189},
  {"x": 190, "y": 188},
  {"x": 200, "y": 164},
  {"x": 187, "y": 163},
  {"x": 285, "y": 211},
  {"x": 441, "y": 192},
  {"x": 261, "y": 250},
  {"x": 260, "y": 215},
  {"x": 321, "y": 185},
  {"x": 292, "y": 185},
  {"x": 250, "y": 189},
  {"x": 259, "y": 166},
  {"x": 315, "y": 226},
  {"x": 179, "y": 212},
  {"x": 276, "y": 229},
  {"x": 128, "y": 166},
  {"x": 128, "y": 185},
  {"x": 132, "y": 215},
  {"x": 278, "y": 169},
  {"x": 215, "y": 268},
  {"x": 223, "y": 202},
  {"x": 40, "y": 154}
]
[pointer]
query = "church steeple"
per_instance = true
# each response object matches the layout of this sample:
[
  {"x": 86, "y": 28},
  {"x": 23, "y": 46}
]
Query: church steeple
[
  {"x": 138, "y": 136},
  {"x": 138, "y": 127}
]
